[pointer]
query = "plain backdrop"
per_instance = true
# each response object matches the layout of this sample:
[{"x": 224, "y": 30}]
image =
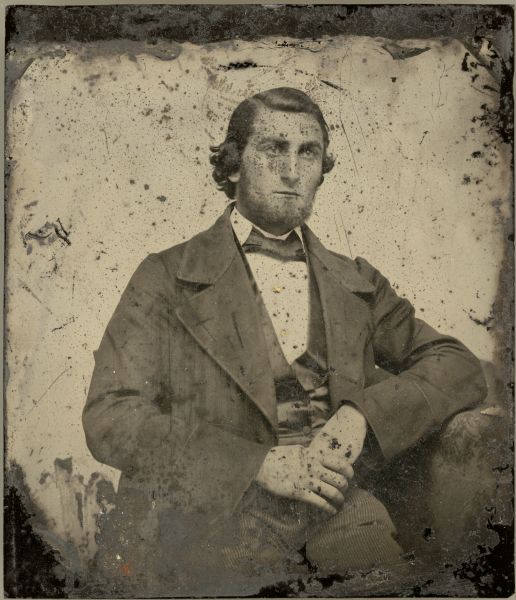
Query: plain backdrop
[{"x": 109, "y": 154}]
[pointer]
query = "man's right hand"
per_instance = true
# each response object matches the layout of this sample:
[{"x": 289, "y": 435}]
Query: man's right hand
[{"x": 300, "y": 473}]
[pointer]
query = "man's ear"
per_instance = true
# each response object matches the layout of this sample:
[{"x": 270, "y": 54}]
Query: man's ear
[{"x": 234, "y": 177}]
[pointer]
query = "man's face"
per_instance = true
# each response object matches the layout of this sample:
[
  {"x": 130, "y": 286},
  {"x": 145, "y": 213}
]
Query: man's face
[{"x": 280, "y": 170}]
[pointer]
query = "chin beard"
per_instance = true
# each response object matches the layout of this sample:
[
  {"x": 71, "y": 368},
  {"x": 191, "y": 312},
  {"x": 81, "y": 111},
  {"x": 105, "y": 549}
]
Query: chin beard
[{"x": 285, "y": 217}]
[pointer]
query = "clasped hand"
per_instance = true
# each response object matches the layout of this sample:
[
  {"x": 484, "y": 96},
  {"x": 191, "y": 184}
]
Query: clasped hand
[
  {"x": 318, "y": 474},
  {"x": 302, "y": 474}
]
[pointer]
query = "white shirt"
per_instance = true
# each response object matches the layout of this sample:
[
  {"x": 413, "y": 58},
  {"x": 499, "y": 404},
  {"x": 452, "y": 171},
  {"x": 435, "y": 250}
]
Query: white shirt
[{"x": 283, "y": 287}]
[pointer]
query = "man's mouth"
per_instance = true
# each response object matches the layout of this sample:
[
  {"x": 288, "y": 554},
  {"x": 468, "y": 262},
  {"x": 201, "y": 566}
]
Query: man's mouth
[{"x": 286, "y": 193}]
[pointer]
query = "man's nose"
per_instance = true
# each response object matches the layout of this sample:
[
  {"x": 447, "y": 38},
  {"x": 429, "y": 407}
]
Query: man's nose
[{"x": 290, "y": 170}]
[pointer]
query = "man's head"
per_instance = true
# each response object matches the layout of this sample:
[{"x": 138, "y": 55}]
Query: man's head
[{"x": 274, "y": 158}]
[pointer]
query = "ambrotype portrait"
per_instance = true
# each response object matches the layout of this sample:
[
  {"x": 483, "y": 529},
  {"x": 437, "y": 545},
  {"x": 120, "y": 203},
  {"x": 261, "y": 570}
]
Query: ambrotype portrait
[{"x": 259, "y": 301}]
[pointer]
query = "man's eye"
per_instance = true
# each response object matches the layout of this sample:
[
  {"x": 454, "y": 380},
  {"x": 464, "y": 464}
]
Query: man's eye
[
  {"x": 310, "y": 152},
  {"x": 273, "y": 149}
]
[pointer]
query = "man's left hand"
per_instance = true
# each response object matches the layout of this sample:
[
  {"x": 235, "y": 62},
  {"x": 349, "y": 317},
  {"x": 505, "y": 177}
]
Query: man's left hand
[{"x": 341, "y": 439}]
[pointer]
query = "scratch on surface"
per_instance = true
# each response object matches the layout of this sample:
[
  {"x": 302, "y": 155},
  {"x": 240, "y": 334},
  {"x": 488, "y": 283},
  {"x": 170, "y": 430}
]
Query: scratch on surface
[
  {"x": 424, "y": 135},
  {"x": 44, "y": 234},
  {"x": 61, "y": 326},
  {"x": 337, "y": 228},
  {"x": 439, "y": 85},
  {"x": 400, "y": 53},
  {"x": 62, "y": 233},
  {"x": 482, "y": 91},
  {"x": 38, "y": 235},
  {"x": 358, "y": 120},
  {"x": 346, "y": 234},
  {"x": 204, "y": 104},
  {"x": 400, "y": 149},
  {"x": 106, "y": 140},
  {"x": 36, "y": 402},
  {"x": 352, "y": 102},
  {"x": 333, "y": 85},
  {"x": 233, "y": 317},
  {"x": 416, "y": 180},
  {"x": 340, "y": 116},
  {"x": 286, "y": 44},
  {"x": 25, "y": 287}
]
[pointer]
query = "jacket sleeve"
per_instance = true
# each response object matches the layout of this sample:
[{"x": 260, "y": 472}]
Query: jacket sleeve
[
  {"x": 432, "y": 376},
  {"x": 129, "y": 418},
  {"x": 125, "y": 416}
]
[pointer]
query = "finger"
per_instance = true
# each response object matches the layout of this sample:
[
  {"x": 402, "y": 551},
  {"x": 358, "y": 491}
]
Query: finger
[
  {"x": 330, "y": 493},
  {"x": 319, "y": 392},
  {"x": 318, "y": 501},
  {"x": 338, "y": 465},
  {"x": 333, "y": 478}
]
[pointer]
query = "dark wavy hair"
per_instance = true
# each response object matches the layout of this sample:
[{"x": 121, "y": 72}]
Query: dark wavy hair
[{"x": 226, "y": 157}]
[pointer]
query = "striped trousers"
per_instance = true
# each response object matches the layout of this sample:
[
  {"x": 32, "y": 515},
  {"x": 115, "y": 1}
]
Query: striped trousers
[{"x": 281, "y": 535}]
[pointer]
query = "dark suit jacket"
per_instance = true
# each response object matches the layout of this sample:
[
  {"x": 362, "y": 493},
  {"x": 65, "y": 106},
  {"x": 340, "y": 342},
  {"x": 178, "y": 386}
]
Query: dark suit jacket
[{"x": 182, "y": 397}]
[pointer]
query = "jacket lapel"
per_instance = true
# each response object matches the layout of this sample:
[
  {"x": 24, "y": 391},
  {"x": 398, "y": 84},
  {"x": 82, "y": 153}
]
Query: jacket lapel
[
  {"x": 224, "y": 317},
  {"x": 346, "y": 316}
]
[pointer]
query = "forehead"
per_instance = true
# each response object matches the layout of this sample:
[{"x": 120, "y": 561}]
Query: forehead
[{"x": 291, "y": 126}]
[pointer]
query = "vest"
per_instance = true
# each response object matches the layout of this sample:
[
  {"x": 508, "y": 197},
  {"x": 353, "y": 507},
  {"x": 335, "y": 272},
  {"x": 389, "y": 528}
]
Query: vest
[{"x": 299, "y": 416}]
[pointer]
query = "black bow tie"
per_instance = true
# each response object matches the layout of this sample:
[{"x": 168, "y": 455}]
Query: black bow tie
[{"x": 285, "y": 250}]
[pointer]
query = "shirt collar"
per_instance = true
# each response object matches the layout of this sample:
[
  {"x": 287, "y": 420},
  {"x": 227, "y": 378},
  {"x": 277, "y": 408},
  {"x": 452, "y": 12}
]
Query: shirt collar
[{"x": 243, "y": 227}]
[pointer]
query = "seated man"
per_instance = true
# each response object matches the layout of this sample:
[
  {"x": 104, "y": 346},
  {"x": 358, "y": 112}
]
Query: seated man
[{"x": 245, "y": 371}]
